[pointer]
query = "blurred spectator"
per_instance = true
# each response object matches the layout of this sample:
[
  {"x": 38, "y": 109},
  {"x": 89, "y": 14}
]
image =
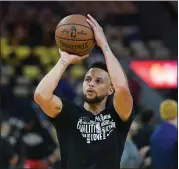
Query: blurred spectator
[
  {"x": 8, "y": 157},
  {"x": 132, "y": 157},
  {"x": 164, "y": 139},
  {"x": 142, "y": 138},
  {"x": 37, "y": 145}
]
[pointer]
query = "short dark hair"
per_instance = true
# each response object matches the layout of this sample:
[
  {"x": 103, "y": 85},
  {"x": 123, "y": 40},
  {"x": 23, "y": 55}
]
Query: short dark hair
[
  {"x": 100, "y": 65},
  {"x": 146, "y": 116}
]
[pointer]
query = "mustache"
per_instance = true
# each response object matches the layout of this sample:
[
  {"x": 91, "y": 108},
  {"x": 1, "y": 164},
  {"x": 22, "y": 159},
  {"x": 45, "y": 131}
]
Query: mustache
[{"x": 91, "y": 90}]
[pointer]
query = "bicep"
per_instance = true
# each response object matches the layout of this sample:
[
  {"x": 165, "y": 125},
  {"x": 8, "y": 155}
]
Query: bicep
[{"x": 51, "y": 107}]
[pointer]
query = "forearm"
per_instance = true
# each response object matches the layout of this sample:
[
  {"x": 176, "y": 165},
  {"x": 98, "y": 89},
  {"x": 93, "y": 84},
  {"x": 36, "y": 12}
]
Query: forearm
[
  {"x": 49, "y": 83},
  {"x": 115, "y": 69}
]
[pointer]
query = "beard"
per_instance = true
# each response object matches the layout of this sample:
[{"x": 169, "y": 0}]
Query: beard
[{"x": 95, "y": 100}]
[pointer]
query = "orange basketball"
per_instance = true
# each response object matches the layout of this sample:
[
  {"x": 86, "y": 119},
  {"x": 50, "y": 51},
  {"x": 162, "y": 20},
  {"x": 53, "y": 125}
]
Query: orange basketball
[{"x": 74, "y": 35}]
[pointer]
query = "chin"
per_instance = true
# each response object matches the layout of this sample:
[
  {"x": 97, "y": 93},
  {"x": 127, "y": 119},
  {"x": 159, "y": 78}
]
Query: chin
[
  {"x": 88, "y": 99},
  {"x": 93, "y": 100}
]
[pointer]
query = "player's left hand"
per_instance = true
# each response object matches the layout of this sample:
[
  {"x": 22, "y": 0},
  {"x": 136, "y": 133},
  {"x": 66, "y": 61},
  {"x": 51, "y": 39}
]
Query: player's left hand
[{"x": 98, "y": 31}]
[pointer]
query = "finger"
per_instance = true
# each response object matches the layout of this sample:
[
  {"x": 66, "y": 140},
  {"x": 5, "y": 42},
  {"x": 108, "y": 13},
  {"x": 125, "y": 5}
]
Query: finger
[
  {"x": 91, "y": 23},
  {"x": 93, "y": 20},
  {"x": 84, "y": 57},
  {"x": 59, "y": 50}
]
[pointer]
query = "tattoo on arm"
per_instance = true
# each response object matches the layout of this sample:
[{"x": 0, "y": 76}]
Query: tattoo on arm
[
  {"x": 106, "y": 48},
  {"x": 58, "y": 108},
  {"x": 64, "y": 63}
]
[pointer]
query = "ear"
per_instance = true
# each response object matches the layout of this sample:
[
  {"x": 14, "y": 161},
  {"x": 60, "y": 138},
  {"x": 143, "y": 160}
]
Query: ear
[{"x": 111, "y": 90}]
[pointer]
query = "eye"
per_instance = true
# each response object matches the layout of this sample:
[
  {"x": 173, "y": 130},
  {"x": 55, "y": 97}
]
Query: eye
[
  {"x": 98, "y": 81},
  {"x": 87, "y": 79}
]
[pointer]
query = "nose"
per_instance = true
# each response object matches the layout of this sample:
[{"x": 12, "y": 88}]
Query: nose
[{"x": 91, "y": 83}]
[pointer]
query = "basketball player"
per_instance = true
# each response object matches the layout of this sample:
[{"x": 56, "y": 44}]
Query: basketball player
[{"x": 91, "y": 136}]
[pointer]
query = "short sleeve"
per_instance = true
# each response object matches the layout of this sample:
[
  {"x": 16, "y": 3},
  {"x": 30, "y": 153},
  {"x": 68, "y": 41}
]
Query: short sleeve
[
  {"x": 65, "y": 117},
  {"x": 123, "y": 126}
]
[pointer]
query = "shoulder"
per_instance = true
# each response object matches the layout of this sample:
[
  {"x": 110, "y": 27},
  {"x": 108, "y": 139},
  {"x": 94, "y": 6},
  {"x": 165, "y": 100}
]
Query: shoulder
[
  {"x": 157, "y": 133},
  {"x": 67, "y": 101},
  {"x": 67, "y": 106}
]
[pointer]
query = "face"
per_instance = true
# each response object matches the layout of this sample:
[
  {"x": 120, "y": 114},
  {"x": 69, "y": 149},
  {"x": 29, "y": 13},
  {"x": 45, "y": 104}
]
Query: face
[{"x": 96, "y": 86}]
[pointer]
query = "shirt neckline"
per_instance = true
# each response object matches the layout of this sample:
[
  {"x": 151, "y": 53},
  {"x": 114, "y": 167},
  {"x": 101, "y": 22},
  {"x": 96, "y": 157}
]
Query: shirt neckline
[{"x": 92, "y": 114}]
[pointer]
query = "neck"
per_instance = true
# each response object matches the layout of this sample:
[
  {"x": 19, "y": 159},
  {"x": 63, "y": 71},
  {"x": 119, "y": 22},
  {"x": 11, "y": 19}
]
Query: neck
[
  {"x": 173, "y": 122},
  {"x": 95, "y": 108}
]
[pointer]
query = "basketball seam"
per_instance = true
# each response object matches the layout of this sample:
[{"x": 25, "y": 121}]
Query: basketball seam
[
  {"x": 84, "y": 51},
  {"x": 73, "y": 39},
  {"x": 74, "y": 24}
]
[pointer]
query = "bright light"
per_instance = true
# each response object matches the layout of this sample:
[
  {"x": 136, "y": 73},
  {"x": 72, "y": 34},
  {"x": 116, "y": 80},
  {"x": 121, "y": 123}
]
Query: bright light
[{"x": 157, "y": 74}]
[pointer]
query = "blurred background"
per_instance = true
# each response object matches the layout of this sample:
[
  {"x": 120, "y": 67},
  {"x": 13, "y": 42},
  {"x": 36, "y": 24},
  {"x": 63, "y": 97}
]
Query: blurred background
[{"x": 142, "y": 35}]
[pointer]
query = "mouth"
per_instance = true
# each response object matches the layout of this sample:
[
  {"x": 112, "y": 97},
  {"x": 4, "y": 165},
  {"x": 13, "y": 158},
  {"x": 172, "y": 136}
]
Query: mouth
[{"x": 90, "y": 91}]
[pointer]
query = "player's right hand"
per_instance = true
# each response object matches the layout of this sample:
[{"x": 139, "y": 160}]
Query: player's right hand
[{"x": 70, "y": 58}]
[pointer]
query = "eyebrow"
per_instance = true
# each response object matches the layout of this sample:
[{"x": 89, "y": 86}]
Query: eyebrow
[
  {"x": 100, "y": 78},
  {"x": 96, "y": 78}
]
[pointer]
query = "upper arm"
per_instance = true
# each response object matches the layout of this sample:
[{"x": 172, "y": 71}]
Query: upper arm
[
  {"x": 123, "y": 102},
  {"x": 51, "y": 107}
]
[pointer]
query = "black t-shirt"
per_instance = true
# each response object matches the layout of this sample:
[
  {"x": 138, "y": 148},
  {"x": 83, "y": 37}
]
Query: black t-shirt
[{"x": 89, "y": 141}]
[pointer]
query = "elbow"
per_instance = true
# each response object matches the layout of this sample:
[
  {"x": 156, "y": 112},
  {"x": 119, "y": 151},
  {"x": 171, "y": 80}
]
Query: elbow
[
  {"x": 41, "y": 97},
  {"x": 37, "y": 97}
]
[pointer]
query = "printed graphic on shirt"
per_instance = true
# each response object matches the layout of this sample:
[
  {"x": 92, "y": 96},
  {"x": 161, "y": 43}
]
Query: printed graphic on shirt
[{"x": 98, "y": 129}]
